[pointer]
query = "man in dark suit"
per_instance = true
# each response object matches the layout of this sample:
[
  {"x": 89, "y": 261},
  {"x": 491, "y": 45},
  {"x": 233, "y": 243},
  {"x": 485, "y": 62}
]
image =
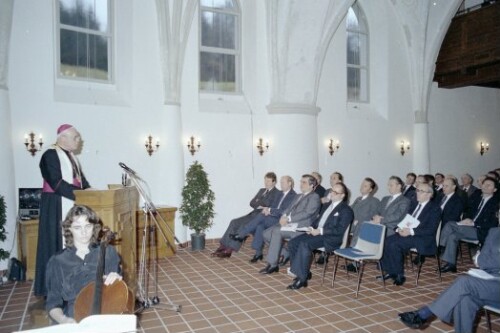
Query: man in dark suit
[
  {"x": 319, "y": 189},
  {"x": 264, "y": 197},
  {"x": 409, "y": 189},
  {"x": 468, "y": 184},
  {"x": 423, "y": 237},
  {"x": 481, "y": 216},
  {"x": 327, "y": 231},
  {"x": 301, "y": 213},
  {"x": 268, "y": 217},
  {"x": 393, "y": 208},
  {"x": 451, "y": 204},
  {"x": 468, "y": 294}
]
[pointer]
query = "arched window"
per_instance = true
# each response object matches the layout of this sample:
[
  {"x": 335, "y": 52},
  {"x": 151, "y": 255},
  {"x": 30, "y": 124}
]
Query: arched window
[
  {"x": 220, "y": 46},
  {"x": 85, "y": 40},
  {"x": 357, "y": 55}
]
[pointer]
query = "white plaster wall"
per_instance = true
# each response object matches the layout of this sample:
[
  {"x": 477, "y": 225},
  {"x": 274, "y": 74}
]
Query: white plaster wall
[
  {"x": 229, "y": 126},
  {"x": 459, "y": 119}
]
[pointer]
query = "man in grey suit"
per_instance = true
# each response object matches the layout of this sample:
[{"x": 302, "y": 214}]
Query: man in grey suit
[
  {"x": 303, "y": 212},
  {"x": 264, "y": 197},
  {"x": 460, "y": 302},
  {"x": 364, "y": 207},
  {"x": 394, "y": 207}
]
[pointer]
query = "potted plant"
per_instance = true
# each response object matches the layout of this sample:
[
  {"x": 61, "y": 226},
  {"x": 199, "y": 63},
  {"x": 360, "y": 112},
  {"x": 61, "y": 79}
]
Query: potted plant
[
  {"x": 197, "y": 208},
  {"x": 3, "y": 234}
]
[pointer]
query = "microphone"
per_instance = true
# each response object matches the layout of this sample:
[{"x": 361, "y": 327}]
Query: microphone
[{"x": 127, "y": 169}]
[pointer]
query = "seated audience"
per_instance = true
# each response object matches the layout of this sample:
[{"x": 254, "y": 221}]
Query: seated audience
[
  {"x": 364, "y": 207},
  {"x": 335, "y": 178},
  {"x": 76, "y": 266},
  {"x": 451, "y": 204},
  {"x": 468, "y": 184},
  {"x": 327, "y": 231},
  {"x": 423, "y": 237},
  {"x": 459, "y": 303},
  {"x": 481, "y": 216},
  {"x": 409, "y": 189},
  {"x": 393, "y": 208},
  {"x": 319, "y": 189},
  {"x": 439, "y": 179},
  {"x": 301, "y": 213},
  {"x": 264, "y": 197},
  {"x": 267, "y": 218}
]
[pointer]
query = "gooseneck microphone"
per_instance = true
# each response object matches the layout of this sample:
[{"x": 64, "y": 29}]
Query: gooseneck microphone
[{"x": 126, "y": 168}]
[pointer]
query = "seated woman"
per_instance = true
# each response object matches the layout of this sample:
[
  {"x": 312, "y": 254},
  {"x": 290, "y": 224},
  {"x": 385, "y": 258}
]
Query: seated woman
[{"x": 73, "y": 268}]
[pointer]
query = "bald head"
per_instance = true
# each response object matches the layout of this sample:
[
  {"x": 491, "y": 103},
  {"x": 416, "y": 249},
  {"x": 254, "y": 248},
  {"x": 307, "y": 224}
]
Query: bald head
[{"x": 69, "y": 139}]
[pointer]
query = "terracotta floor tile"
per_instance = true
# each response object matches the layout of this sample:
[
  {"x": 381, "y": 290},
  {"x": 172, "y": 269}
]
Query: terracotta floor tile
[{"x": 231, "y": 296}]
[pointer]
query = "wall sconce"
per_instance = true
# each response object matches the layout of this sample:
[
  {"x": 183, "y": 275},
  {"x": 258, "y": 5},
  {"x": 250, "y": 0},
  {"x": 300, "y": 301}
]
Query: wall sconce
[
  {"x": 150, "y": 148},
  {"x": 333, "y": 146},
  {"x": 192, "y": 147},
  {"x": 29, "y": 142},
  {"x": 261, "y": 148},
  {"x": 404, "y": 147},
  {"x": 484, "y": 147}
]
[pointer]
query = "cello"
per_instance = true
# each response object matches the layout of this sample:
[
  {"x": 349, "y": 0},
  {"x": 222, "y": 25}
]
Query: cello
[{"x": 97, "y": 298}]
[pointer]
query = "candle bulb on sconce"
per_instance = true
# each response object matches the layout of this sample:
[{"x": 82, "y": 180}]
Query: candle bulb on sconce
[
  {"x": 192, "y": 147},
  {"x": 484, "y": 147},
  {"x": 333, "y": 146},
  {"x": 404, "y": 147},
  {"x": 150, "y": 147},
  {"x": 261, "y": 147},
  {"x": 31, "y": 146}
]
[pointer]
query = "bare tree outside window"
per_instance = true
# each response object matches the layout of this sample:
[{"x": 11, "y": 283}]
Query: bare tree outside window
[
  {"x": 219, "y": 46},
  {"x": 85, "y": 40},
  {"x": 357, "y": 55}
]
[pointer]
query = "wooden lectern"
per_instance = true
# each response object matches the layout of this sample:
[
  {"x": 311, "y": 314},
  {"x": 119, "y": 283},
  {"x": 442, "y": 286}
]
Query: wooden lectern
[{"x": 117, "y": 208}]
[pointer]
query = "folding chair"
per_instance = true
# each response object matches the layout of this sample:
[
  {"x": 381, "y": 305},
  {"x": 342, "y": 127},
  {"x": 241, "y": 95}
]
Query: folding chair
[
  {"x": 487, "y": 310},
  {"x": 345, "y": 239},
  {"x": 370, "y": 246},
  {"x": 419, "y": 268}
]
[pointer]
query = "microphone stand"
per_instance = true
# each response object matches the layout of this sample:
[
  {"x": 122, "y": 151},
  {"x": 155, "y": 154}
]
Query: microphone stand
[{"x": 150, "y": 212}]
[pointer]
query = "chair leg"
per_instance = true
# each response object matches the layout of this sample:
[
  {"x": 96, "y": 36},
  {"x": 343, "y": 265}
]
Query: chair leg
[
  {"x": 418, "y": 274},
  {"x": 327, "y": 256},
  {"x": 488, "y": 319},
  {"x": 360, "y": 273},
  {"x": 335, "y": 264},
  {"x": 381, "y": 272},
  {"x": 439, "y": 267}
]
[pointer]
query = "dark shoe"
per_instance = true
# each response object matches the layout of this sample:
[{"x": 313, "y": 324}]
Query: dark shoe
[
  {"x": 386, "y": 277},
  {"x": 224, "y": 254},
  {"x": 399, "y": 280},
  {"x": 256, "y": 258},
  {"x": 264, "y": 270},
  {"x": 297, "y": 284},
  {"x": 321, "y": 260},
  {"x": 419, "y": 260},
  {"x": 352, "y": 268},
  {"x": 309, "y": 275},
  {"x": 284, "y": 261},
  {"x": 412, "y": 319},
  {"x": 236, "y": 237},
  {"x": 272, "y": 270},
  {"x": 449, "y": 268},
  {"x": 219, "y": 250}
]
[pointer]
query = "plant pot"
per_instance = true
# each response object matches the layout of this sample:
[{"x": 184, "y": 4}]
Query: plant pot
[{"x": 197, "y": 242}]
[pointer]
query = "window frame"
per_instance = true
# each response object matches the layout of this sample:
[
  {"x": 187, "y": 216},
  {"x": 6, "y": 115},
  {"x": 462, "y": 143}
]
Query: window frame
[
  {"x": 109, "y": 35},
  {"x": 236, "y": 52},
  {"x": 360, "y": 16}
]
